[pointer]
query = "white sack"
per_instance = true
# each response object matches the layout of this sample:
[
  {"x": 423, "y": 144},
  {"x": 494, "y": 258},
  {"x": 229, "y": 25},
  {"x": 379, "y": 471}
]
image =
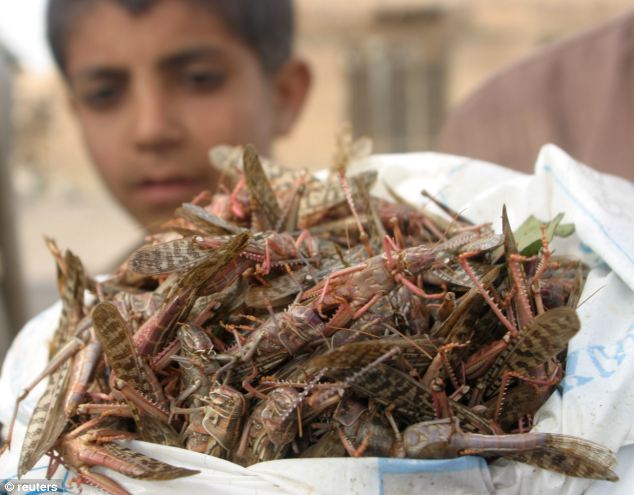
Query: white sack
[{"x": 598, "y": 390}]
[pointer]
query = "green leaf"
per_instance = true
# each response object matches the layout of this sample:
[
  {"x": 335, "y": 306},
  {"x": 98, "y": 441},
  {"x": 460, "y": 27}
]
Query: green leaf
[
  {"x": 529, "y": 234},
  {"x": 565, "y": 229}
]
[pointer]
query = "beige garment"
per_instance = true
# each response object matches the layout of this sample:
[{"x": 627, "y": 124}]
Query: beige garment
[{"x": 577, "y": 94}]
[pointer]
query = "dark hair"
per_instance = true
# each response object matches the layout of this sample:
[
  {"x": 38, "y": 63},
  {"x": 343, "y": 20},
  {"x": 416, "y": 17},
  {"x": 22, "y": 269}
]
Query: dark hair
[{"x": 267, "y": 26}]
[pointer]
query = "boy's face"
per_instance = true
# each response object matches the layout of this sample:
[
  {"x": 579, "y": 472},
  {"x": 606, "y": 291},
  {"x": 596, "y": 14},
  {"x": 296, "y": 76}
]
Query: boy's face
[{"x": 154, "y": 92}]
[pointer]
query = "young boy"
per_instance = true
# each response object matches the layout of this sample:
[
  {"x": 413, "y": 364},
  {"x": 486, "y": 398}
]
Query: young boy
[{"x": 156, "y": 83}]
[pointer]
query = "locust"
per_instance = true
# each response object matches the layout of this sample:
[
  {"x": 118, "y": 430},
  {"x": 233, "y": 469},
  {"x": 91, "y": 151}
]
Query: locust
[
  {"x": 287, "y": 316},
  {"x": 560, "y": 453}
]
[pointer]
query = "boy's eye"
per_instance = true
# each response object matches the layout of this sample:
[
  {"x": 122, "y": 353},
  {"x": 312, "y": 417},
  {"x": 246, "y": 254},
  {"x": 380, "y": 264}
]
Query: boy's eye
[
  {"x": 102, "y": 96},
  {"x": 204, "y": 79}
]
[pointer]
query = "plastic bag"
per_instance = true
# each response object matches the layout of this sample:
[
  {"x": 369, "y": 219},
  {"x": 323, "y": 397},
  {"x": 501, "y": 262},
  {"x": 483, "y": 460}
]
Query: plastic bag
[{"x": 597, "y": 397}]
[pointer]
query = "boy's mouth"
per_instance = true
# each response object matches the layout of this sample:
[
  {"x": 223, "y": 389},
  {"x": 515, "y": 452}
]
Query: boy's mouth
[{"x": 171, "y": 191}]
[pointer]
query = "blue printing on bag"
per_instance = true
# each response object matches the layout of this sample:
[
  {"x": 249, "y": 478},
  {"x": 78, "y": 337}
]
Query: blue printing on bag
[
  {"x": 388, "y": 465},
  {"x": 600, "y": 361}
]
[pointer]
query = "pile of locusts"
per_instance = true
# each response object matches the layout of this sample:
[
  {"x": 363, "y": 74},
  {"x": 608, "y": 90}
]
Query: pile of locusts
[{"x": 293, "y": 317}]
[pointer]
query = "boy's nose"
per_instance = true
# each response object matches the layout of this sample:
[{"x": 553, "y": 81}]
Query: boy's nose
[{"x": 155, "y": 123}]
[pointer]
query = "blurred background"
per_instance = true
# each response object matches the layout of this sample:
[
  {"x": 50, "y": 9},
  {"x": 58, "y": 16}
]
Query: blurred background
[{"x": 392, "y": 68}]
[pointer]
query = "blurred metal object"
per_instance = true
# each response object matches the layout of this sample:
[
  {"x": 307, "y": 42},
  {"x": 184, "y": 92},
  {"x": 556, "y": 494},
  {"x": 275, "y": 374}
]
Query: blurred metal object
[
  {"x": 12, "y": 313},
  {"x": 398, "y": 77}
]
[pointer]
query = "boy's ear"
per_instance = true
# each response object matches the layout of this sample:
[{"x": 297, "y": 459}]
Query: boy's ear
[{"x": 291, "y": 85}]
